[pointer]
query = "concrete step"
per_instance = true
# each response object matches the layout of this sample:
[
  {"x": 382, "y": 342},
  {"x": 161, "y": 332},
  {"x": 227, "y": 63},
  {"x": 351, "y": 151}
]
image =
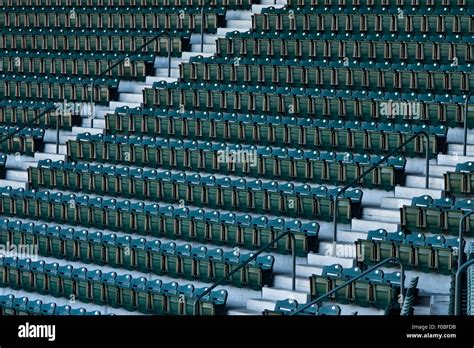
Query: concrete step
[
  {"x": 395, "y": 203},
  {"x": 439, "y": 171},
  {"x": 98, "y": 123},
  {"x": 207, "y": 48},
  {"x": 163, "y": 72},
  {"x": 17, "y": 175},
  {"x": 130, "y": 86},
  {"x": 410, "y": 192},
  {"x": 305, "y": 271},
  {"x": 282, "y": 294},
  {"x": 209, "y": 39},
  {"x": 369, "y": 225},
  {"x": 152, "y": 79},
  {"x": 419, "y": 181},
  {"x": 236, "y": 15},
  {"x": 242, "y": 311},
  {"x": 51, "y": 148},
  {"x": 350, "y": 309},
  {"x": 186, "y": 56},
  {"x": 326, "y": 260},
  {"x": 259, "y": 8},
  {"x": 162, "y": 62},
  {"x": 131, "y": 97},
  {"x": 456, "y": 135},
  {"x": 20, "y": 162},
  {"x": 421, "y": 310},
  {"x": 417, "y": 165},
  {"x": 80, "y": 130},
  {"x": 380, "y": 214},
  {"x": 274, "y": 3},
  {"x": 52, "y": 156},
  {"x": 116, "y": 104},
  {"x": 284, "y": 281},
  {"x": 452, "y": 160},
  {"x": 458, "y": 149},
  {"x": 240, "y": 23},
  {"x": 259, "y": 305},
  {"x": 346, "y": 236},
  {"x": 13, "y": 183}
]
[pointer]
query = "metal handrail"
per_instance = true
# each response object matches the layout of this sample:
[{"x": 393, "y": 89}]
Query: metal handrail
[
  {"x": 343, "y": 285},
  {"x": 31, "y": 123},
  {"x": 466, "y": 110},
  {"x": 386, "y": 158},
  {"x": 457, "y": 287},
  {"x": 219, "y": 282},
  {"x": 461, "y": 225},
  {"x": 137, "y": 50}
]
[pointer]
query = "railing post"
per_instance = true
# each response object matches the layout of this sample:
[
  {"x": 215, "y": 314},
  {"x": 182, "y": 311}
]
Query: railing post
[
  {"x": 169, "y": 55},
  {"x": 461, "y": 225},
  {"x": 58, "y": 120},
  {"x": 457, "y": 287},
  {"x": 466, "y": 112},
  {"x": 427, "y": 179},
  {"x": 92, "y": 108},
  {"x": 293, "y": 257},
  {"x": 334, "y": 233},
  {"x": 202, "y": 26}
]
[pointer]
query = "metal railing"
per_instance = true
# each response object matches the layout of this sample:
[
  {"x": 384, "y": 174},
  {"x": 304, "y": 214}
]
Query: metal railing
[
  {"x": 457, "y": 287},
  {"x": 227, "y": 277},
  {"x": 466, "y": 112},
  {"x": 136, "y": 51},
  {"x": 461, "y": 232},
  {"x": 386, "y": 158},
  {"x": 343, "y": 285}
]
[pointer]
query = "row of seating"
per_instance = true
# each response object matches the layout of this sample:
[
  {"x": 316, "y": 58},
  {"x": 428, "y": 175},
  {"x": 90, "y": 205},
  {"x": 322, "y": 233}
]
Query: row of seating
[
  {"x": 25, "y": 141},
  {"x": 17, "y": 113},
  {"x": 188, "y": 223},
  {"x": 171, "y": 259},
  {"x": 376, "y": 289},
  {"x": 402, "y": 48},
  {"x": 415, "y": 251},
  {"x": 312, "y": 103},
  {"x": 286, "y": 307},
  {"x": 330, "y": 63},
  {"x": 156, "y": 18},
  {"x": 461, "y": 181},
  {"x": 380, "y": 3},
  {"x": 437, "y": 215},
  {"x": 335, "y": 135},
  {"x": 359, "y": 23},
  {"x": 11, "y": 305},
  {"x": 57, "y": 88},
  {"x": 437, "y": 82},
  {"x": 115, "y": 41},
  {"x": 77, "y": 64},
  {"x": 117, "y": 290},
  {"x": 231, "y": 159},
  {"x": 260, "y": 196},
  {"x": 229, "y": 4}
]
